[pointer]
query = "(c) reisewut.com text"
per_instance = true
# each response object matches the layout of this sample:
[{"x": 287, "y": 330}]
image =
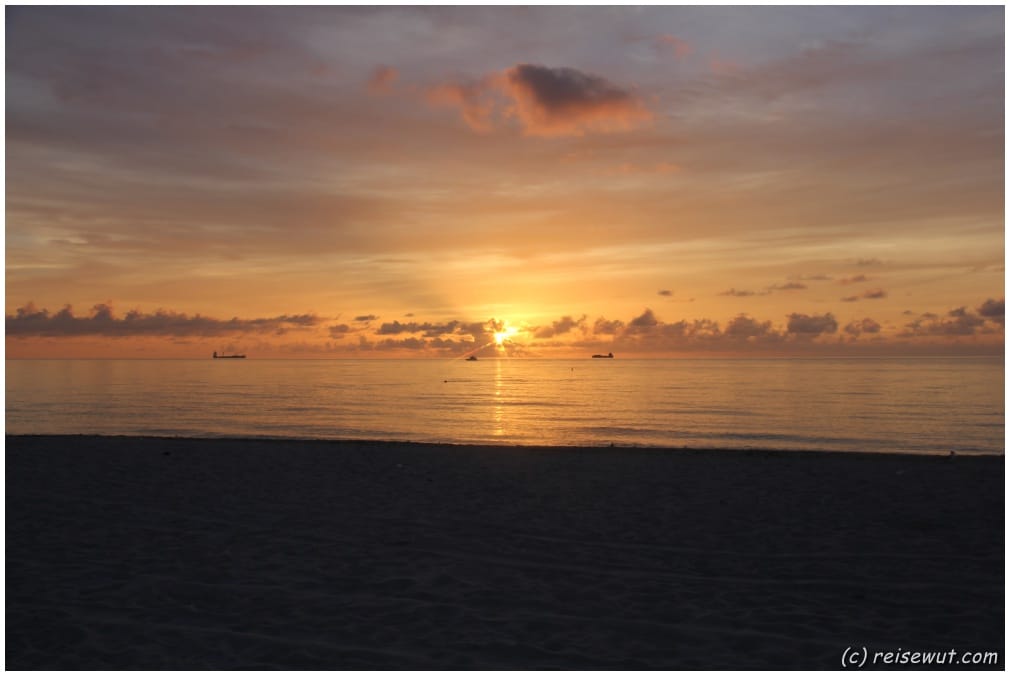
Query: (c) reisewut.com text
[{"x": 861, "y": 656}]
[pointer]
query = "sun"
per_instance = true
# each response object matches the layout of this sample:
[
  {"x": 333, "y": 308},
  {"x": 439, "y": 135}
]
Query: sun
[{"x": 505, "y": 334}]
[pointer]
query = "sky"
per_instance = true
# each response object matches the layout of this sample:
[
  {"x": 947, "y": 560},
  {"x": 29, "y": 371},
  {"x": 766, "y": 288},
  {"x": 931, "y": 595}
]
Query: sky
[{"x": 504, "y": 181}]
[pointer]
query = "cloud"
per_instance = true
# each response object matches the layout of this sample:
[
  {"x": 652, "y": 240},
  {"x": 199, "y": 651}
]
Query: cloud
[
  {"x": 665, "y": 292},
  {"x": 475, "y": 101},
  {"x": 562, "y": 326},
  {"x": 788, "y": 286},
  {"x": 339, "y": 330},
  {"x": 645, "y": 320},
  {"x": 958, "y": 322},
  {"x": 443, "y": 345},
  {"x": 866, "y": 325},
  {"x": 743, "y": 326},
  {"x": 566, "y": 101},
  {"x": 670, "y": 44},
  {"x": 475, "y": 330},
  {"x": 648, "y": 333},
  {"x": 811, "y": 325},
  {"x": 453, "y": 337},
  {"x": 867, "y": 262},
  {"x": 544, "y": 101},
  {"x": 871, "y": 294},
  {"x": 365, "y": 318},
  {"x": 102, "y": 321},
  {"x": 992, "y": 308},
  {"x": 382, "y": 80},
  {"x": 607, "y": 327},
  {"x": 739, "y": 294},
  {"x": 854, "y": 280}
]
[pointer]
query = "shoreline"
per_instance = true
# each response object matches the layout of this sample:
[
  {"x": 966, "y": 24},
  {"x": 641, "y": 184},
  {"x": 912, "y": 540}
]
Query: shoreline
[
  {"x": 379, "y": 443},
  {"x": 182, "y": 553}
]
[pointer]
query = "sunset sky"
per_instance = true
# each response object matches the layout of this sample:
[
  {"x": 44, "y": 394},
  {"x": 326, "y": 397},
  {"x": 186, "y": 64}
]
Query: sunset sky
[{"x": 379, "y": 182}]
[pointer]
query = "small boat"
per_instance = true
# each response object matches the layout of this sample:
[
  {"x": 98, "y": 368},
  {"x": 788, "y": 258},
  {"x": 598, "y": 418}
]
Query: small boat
[
  {"x": 472, "y": 357},
  {"x": 609, "y": 355},
  {"x": 228, "y": 356}
]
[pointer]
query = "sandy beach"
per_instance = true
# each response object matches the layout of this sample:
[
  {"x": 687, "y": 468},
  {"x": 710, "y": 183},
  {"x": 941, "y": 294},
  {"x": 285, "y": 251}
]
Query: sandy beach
[{"x": 143, "y": 553}]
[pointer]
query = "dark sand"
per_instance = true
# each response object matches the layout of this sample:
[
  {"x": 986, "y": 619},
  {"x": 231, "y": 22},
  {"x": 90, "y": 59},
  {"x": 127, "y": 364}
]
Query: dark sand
[{"x": 193, "y": 554}]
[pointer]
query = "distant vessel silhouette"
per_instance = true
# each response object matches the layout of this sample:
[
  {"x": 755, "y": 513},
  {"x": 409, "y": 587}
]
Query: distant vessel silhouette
[
  {"x": 472, "y": 357},
  {"x": 228, "y": 356},
  {"x": 609, "y": 355}
]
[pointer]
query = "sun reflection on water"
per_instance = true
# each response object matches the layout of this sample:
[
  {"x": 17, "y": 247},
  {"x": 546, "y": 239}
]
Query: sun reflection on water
[{"x": 499, "y": 402}]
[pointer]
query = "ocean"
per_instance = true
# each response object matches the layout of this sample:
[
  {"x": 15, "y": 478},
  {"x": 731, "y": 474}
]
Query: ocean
[{"x": 918, "y": 405}]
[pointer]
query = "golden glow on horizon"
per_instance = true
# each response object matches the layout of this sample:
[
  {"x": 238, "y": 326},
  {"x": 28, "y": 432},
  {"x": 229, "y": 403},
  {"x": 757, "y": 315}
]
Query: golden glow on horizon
[{"x": 627, "y": 196}]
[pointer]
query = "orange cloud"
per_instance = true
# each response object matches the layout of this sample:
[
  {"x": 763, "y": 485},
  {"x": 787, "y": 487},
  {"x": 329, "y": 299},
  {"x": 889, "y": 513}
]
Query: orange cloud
[
  {"x": 665, "y": 44},
  {"x": 474, "y": 101},
  {"x": 544, "y": 101},
  {"x": 382, "y": 80}
]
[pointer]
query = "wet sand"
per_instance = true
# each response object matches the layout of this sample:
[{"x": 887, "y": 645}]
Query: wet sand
[{"x": 138, "y": 553}]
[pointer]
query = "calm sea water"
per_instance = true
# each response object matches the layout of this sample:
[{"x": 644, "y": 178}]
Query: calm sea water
[{"x": 913, "y": 405}]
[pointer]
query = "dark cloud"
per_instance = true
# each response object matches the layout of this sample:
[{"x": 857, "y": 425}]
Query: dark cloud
[
  {"x": 395, "y": 328},
  {"x": 704, "y": 330},
  {"x": 545, "y": 101},
  {"x": 447, "y": 346},
  {"x": 665, "y": 292},
  {"x": 871, "y": 294},
  {"x": 743, "y": 326},
  {"x": 991, "y": 308},
  {"x": 339, "y": 330},
  {"x": 788, "y": 286},
  {"x": 958, "y": 322},
  {"x": 563, "y": 325},
  {"x": 814, "y": 278},
  {"x": 647, "y": 333},
  {"x": 434, "y": 330},
  {"x": 365, "y": 318},
  {"x": 645, "y": 320},
  {"x": 102, "y": 321},
  {"x": 811, "y": 325},
  {"x": 854, "y": 280},
  {"x": 566, "y": 101},
  {"x": 607, "y": 327},
  {"x": 866, "y": 325}
]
